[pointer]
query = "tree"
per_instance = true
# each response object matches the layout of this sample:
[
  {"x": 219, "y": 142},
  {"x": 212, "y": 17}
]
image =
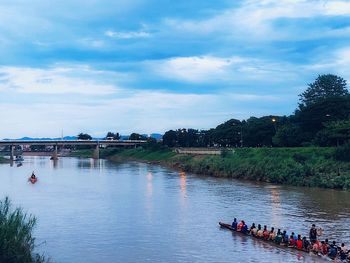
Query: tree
[
  {"x": 137, "y": 137},
  {"x": 84, "y": 136},
  {"x": 259, "y": 131},
  {"x": 334, "y": 133},
  {"x": 170, "y": 138},
  {"x": 325, "y": 86},
  {"x": 113, "y": 136},
  {"x": 313, "y": 117},
  {"x": 288, "y": 135}
]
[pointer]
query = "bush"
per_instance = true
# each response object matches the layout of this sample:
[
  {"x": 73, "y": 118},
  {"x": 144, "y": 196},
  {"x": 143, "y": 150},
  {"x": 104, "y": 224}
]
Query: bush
[
  {"x": 342, "y": 153},
  {"x": 16, "y": 240}
]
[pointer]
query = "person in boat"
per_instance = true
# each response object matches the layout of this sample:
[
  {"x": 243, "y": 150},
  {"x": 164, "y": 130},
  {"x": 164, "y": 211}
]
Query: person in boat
[
  {"x": 324, "y": 248},
  {"x": 253, "y": 230},
  {"x": 260, "y": 232},
  {"x": 234, "y": 224},
  {"x": 244, "y": 229},
  {"x": 272, "y": 234},
  {"x": 333, "y": 250},
  {"x": 291, "y": 240},
  {"x": 266, "y": 233},
  {"x": 299, "y": 243},
  {"x": 306, "y": 244},
  {"x": 239, "y": 226},
  {"x": 33, "y": 176},
  {"x": 285, "y": 237},
  {"x": 343, "y": 252},
  {"x": 278, "y": 238},
  {"x": 313, "y": 234}
]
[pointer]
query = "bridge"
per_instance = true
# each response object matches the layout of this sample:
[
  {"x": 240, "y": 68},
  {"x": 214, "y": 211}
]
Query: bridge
[{"x": 56, "y": 143}]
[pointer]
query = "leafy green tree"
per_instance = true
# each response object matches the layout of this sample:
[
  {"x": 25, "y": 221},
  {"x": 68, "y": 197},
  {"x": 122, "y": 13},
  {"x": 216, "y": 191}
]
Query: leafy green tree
[
  {"x": 288, "y": 135},
  {"x": 137, "y": 137},
  {"x": 334, "y": 133},
  {"x": 312, "y": 118},
  {"x": 84, "y": 136},
  {"x": 259, "y": 131},
  {"x": 325, "y": 86},
  {"x": 111, "y": 135},
  {"x": 170, "y": 138},
  {"x": 228, "y": 133}
]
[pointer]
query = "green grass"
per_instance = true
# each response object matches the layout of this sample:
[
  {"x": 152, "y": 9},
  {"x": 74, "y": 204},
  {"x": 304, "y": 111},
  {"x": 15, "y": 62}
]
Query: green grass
[{"x": 16, "y": 241}]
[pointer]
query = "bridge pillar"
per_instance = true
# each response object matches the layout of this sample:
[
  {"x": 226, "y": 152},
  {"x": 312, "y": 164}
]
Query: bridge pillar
[
  {"x": 12, "y": 152},
  {"x": 55, "y": 154},
  {"x": 96, "y": 154}
]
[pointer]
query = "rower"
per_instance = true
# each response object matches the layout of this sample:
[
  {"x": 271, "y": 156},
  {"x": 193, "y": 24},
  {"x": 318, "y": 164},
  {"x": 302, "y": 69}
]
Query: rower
[
  {"x": 33, "y": 175},
  {"x": 244, "y": 228},
  {"x": 313, "y": 234},
  {"x": 240, "y": 225},
  {"x": 260, "y": 232},
  {"x": 234, "y": 224},
  {"x": 278, "y": 238},
  {"x": 253, "y": 230},
  {"x": 299, "y": 243}
]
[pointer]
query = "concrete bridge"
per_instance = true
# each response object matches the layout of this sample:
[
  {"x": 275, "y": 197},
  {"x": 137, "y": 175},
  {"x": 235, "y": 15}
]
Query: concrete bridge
[{"x": 96, "y": 143}]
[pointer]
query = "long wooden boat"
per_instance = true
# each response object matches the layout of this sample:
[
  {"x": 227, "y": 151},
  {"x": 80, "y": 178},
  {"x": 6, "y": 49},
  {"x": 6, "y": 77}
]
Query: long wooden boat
[{"x": 284, "y": 246}]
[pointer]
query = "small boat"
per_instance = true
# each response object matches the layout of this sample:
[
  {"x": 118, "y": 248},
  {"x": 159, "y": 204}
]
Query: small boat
[
  {"x": 282, "y": 245},
  {"x": 33, "y": 180}
]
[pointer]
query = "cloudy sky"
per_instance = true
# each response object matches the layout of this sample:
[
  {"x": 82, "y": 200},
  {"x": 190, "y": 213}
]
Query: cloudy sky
[{"x": 153, "y": 65}]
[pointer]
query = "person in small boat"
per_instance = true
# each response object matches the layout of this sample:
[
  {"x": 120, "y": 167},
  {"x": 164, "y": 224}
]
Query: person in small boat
[
  {"x": 272, "y": 234},
  {"x": 239, "y": 226},
  {"x": 313, "y": 234},
  {"x": 33, "y": 176},
  {"x": 306, "y": 244},
  {"x": 324, "y": 248},
  {"x": 234, "y": 224},
  {"x": 266, "y": 233},
  {"x": 343, "y": 252},
  {"x": 244, "y": 228},
  {"x": 333, "y": 250},
  {"x": 285, "y": 237},
  {"x": 253, "y": 230},
  {"x": 278, "y": 238},
  {"x": 291, "y": 240},
  {"x": 299, "y": 243},
  {"x": 260, "y": 232}
]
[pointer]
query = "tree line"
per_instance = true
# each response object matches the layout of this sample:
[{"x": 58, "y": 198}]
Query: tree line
[{"x": 322, "y": 118}]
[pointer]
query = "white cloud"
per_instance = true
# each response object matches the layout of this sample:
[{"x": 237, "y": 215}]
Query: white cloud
[
  {"x": 205, "y": 69},
  {"x": 127, "y": 35},
  {"x": 58, "y": 80},
  {"x": 254, "y": 20}
]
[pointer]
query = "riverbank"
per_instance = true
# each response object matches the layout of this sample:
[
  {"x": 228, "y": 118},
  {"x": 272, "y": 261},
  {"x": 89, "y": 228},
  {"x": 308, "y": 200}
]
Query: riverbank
[{"x": 309, "y": 166}]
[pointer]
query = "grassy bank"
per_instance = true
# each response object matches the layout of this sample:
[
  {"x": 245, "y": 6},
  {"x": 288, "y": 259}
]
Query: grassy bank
[
  {"x": 16, "y": 241},
  {"x": 315, "y": 167}
]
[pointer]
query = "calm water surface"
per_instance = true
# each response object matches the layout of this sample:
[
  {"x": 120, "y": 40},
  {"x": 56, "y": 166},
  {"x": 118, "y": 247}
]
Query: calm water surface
[{"x": 98, "y": 211}]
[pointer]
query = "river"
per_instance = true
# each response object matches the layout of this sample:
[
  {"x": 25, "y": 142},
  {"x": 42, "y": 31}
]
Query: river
[{"x": 99, "y": 211}]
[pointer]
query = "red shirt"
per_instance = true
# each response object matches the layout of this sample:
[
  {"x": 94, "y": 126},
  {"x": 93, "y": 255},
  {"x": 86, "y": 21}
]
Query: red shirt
[{"x": 299, "y": 244}]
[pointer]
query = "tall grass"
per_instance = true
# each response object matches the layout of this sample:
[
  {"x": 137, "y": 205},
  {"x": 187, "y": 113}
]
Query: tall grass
[{"x": 16, "y": 241}]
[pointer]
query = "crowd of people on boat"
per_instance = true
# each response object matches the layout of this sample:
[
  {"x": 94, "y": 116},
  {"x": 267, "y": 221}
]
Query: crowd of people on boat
[{"x": 293, "y": 240}]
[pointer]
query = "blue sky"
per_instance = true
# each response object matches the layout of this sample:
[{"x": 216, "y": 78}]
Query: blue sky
[{"x": 150, "y": 66}]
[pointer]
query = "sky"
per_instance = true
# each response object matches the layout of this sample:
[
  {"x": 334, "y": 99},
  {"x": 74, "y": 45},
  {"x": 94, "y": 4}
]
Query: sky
[{"x": 152, "y": 65}]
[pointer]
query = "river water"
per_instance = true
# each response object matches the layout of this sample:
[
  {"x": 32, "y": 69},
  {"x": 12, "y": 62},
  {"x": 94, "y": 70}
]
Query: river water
[{"x": 99, "y": 211}]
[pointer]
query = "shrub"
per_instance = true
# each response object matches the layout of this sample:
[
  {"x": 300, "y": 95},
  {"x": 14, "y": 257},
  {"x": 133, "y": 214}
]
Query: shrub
[
  {"x": 16, "y": 240},
  {"x": 342, "y": 153}
]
